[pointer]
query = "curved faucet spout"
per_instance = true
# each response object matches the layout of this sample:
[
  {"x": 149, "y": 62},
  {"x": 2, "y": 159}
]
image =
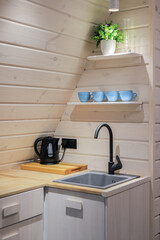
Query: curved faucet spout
[
  {"x": 111, "y": 166},
  {"x": 110, "y": 135}
]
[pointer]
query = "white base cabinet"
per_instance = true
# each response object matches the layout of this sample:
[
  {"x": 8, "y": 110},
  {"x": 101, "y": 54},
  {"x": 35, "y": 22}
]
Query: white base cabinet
[
  {"x": 73, "y": 216},
  {"x": 21, "y": 216}
]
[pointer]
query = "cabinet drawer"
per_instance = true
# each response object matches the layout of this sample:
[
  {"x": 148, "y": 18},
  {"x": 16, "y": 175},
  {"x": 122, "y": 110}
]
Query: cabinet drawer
[
  {"x": 31, "y": 229},
  {"x": 21, "y": 206}
]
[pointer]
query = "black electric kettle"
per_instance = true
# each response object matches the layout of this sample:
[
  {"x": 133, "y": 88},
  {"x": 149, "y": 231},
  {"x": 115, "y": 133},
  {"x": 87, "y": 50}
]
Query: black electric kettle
[{"x": 49, "y": 152}]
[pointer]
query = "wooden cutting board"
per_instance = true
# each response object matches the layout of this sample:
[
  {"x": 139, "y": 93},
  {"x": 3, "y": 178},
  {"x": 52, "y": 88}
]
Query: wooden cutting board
[{"x": 61, "y": 168}]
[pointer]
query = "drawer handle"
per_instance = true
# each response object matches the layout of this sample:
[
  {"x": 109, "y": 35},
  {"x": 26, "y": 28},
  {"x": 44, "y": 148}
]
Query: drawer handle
[
  {"x": 74, "y": 204},
  {"x": 11, "y": 237},
  {"x": 10, "y": 210}
]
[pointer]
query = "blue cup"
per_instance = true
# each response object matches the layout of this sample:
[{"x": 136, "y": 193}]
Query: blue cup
[
  {"x": 112, "y": 96},
  {"x": 98, "y": 96},
  {"x": 84, "y": 96},
  {"x": 127, "y": 95}
]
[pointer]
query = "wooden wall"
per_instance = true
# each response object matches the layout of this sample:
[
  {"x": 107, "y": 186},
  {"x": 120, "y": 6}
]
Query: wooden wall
[
  {"x": 130, "y": 129},
  {"x": 43, "y": 50},
  {"x": 156, "y": 111}
]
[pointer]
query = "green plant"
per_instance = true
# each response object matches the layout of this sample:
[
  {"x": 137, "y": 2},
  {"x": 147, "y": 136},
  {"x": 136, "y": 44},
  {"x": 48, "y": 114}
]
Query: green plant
[{"x": 107, "y": 31}]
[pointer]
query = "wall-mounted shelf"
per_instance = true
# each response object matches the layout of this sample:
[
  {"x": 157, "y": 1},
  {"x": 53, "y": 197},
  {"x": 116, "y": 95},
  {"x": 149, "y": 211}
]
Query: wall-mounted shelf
[
  {"x": 114, "y": 56},
  {"x": 107, "y": 106}
]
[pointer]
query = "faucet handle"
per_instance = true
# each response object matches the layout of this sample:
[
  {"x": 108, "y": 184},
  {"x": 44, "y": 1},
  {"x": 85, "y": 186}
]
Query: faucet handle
[
  {"x": 119, "y": 164},
  {"x": 115, "y": 166}
]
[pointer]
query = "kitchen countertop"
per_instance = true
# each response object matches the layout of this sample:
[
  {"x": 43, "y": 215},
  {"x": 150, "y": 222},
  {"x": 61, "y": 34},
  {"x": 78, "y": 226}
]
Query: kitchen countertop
[{"x": 15, "y": 181}]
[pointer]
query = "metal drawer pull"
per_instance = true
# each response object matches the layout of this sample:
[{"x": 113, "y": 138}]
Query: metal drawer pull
[
  {"x": 74, "y": 204},
  {"x": 13, "y": 237},
  {"x": 10, "y": 210}
]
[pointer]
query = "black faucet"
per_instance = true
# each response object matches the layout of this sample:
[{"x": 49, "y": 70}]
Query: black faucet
[{"x": 111, "y": 165}]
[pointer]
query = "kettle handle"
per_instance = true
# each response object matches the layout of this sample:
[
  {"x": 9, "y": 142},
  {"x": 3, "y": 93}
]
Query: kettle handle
[{"x": 35, "y": 145}]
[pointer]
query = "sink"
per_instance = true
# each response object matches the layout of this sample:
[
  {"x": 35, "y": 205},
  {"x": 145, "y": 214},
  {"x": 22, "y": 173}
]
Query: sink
[{"x": 96, "y": 179}]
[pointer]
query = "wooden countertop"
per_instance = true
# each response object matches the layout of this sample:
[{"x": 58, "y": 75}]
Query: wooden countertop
[{"x": 15, "y": 181}]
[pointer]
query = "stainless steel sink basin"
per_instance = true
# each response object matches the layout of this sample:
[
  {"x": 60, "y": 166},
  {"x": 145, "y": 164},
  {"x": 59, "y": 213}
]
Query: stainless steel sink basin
[{"x": 96, "y": 179}]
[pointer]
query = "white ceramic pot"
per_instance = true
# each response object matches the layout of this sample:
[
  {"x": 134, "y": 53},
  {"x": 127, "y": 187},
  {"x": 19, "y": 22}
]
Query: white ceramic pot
[{"x": 108, "y": 47}]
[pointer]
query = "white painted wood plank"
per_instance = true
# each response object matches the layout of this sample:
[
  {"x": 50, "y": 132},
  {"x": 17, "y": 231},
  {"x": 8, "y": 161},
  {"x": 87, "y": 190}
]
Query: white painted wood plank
[
  {"x": 124, "y": 149},
  {"x": 30, "y": 111},
  {"x": 156, "y": 188},
  {"x": 9, "y": 128},
  {"x": 157, "y": 96},
  {"x": 156, "y": 225},
  {"x": 157, "y": 39},
  {"x": 130, "y": 166},
  {"x": 157, "y": 58},
  {"x": 157, "y": 206},
  {"x": 157, "y": 169},
  {"x": 38, "y": 16},
  {"x": 16, "y": 94},
  {"x": 121, "y": 131},
  {"x": 20, "y": 141},
  {"x": 101, "y": 77},
  {"x": 37, "y": 78},
  {"x": 157, "y": 151},
  {"x": 157, "y": 76},
  {"x": 18, "y": 155},
  {"x": 157, "y": 132},
  {"x": 90, "y": 13},
  {"x": 157, "y": 114},
  {"x": 20, "y": 56},
  {"x": 42, "y": 39}
]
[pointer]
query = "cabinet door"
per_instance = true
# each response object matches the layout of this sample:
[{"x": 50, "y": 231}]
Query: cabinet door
[
  {"x": 73, "y": 215},
  {"x": 31, "y": 229}
]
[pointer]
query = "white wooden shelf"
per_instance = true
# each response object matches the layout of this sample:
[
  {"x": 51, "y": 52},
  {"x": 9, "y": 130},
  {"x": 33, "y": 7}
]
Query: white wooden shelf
[
  {"x": 107, "y": 106},
  {"x": 114, "y": 56}
]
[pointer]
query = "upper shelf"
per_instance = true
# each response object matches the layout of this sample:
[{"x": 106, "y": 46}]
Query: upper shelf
[
  {"x": 107, "y": 106},
  {"x": 113, "y": 56}
]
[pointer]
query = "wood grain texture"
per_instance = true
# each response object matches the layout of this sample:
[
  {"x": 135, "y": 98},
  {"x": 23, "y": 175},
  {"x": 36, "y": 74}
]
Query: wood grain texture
[
  {"x": 129, "y": 211},
  {"x": 31, "y": 111},
  {"x": 12, "y": 94},
  {"x": 43, "y": 18},
  {"x": 61, "y": 168},
  {"x": 90, "y": 13},
  {"x": 12, "y": 55},
  {"x": 43, "y": 39},
  {"x": 37, "y": 78}
]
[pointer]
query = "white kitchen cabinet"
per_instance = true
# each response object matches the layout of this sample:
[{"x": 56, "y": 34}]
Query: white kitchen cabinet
[
  {"x": 122, "y": 215},
  {"x": 73, "y": 215},
  {"x": 21, "y": 216}
]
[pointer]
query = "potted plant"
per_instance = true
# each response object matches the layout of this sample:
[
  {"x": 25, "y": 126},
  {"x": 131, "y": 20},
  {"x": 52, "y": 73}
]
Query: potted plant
[{"x": 107, "y": 35}]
